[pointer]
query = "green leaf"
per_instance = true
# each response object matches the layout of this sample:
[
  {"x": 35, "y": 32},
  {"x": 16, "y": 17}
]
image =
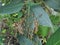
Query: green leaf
[
  {"x": 43, "y": 30},
  {"x": 55, "y": 4},
  {"x": 42, "y": 16},
  {"x": 4, "y": 31},
  {"x": 54, "y": 39},
  {"x": 55, "y": 19},
  {"x": 13, "y": 7},
  {"x": 24, "y": 41},
  {"x": 1, "y": 40}
]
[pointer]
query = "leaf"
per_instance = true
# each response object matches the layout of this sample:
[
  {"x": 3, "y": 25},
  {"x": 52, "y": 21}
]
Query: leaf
[
  {"x": 43, "y": 30},
  {"x": 1, "y": 40},
  {"x": 4, "y": 31},
  {"x": 13, "y": 7},
  {"x": 54, "y": 39},
  {"x": 55, "y": 19},
  {"x": 55, "y": 4},
  {"x": 42, "y": 16},
  {"x": 24, "y": 41}
]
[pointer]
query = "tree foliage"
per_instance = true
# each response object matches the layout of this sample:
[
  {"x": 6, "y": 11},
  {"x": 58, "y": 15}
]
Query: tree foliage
[{"x": 29, "y": 22}]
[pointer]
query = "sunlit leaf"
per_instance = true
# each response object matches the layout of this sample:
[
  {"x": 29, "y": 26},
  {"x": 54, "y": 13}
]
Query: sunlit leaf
[{"x": 43, "y": 30}]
